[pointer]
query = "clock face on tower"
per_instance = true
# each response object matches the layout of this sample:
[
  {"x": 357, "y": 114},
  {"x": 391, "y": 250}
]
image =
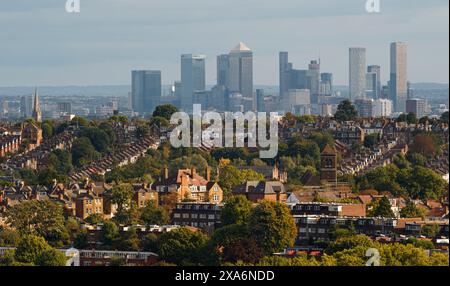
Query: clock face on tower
[{"x": 328, "y": 163}]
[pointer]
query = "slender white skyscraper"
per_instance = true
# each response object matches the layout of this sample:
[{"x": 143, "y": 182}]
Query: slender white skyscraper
[
  {"x": 399, "y": 77},
  {"x": 357, "y": 73}
]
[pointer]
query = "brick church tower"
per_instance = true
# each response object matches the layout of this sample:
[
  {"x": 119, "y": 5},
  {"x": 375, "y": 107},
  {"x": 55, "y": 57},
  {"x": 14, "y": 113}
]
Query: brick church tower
[{"x": 328, "y": 165}]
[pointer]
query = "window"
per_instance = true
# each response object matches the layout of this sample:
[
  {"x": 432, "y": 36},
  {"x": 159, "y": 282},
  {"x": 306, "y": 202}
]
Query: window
[
  {"x": 176, "y": 215},
  {"x": 211, "y": 216},
  {"x": 185, "y": 215},
  {"x": 215, "y": 198},
  {"x": 321, "y": 230},
  {"x": 203, "y": 216},
  {"x": 194, "y": 215}
]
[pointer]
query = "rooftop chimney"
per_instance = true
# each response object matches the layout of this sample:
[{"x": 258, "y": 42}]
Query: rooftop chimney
[
  {"x": 208, "y": 174},
  {"x": 166, "y": 173}
]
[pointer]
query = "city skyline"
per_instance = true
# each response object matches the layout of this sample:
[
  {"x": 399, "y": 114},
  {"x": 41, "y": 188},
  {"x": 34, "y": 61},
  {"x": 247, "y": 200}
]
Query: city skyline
[{"x": 100, "y": 46}]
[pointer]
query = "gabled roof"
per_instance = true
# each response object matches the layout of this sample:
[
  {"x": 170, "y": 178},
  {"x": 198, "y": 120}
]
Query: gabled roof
[{"x": 256, "y": 187}]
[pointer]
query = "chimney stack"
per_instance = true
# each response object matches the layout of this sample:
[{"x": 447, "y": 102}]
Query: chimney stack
[
  {"x": 166, "y": 173},
  {"x": 208, "y": 174},
  {"x": 193, "y": 172}
]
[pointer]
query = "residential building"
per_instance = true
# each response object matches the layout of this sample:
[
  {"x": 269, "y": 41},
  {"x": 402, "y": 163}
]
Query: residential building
[
  {"x": 329, "y": 209},
  {"x": 270, "y": 173},
  {"x": 205, "y": 216},
  {"x": 189, "y": 185},
  {"x": 256, "y": 191},
  {"x": 319, "y": 228},
  {"x": 87, "y": 204}
]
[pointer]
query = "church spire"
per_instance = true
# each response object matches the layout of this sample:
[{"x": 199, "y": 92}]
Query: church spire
[{"x": 37, "y": 115}]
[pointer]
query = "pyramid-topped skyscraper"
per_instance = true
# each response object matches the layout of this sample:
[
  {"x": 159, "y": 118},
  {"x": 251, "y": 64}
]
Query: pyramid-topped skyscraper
[
  {"x": 240, "y": 73},
  {"x": 241, "y": 47}
]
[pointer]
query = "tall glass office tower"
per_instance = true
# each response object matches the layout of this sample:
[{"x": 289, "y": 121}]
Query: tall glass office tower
[
  {"x": 145, "y": 91},
  {"x": 193, "y": 79}
]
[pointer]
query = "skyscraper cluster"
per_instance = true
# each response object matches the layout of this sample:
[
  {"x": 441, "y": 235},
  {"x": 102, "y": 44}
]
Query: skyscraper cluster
[
  {"x": 234, "y": 88},
  {"x": 365, "y": 81},
  {"x": 301, "y": 91}
]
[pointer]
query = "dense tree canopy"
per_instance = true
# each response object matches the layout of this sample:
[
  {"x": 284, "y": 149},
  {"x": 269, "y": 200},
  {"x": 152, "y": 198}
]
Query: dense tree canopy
[
  {"x": 236, "y": 210},
  {"x": 182, "y": 246},
  {"x": 346, "y": 111},
  {"x": 272, "y": 226}
]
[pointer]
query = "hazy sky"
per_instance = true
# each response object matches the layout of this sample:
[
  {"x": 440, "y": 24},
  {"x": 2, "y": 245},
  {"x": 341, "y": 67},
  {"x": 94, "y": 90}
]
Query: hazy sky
[{"x": 41, "y": 44}]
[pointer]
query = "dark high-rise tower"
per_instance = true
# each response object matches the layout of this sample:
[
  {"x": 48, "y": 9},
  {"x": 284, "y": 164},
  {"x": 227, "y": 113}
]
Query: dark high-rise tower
[
  {"x": 284, "y": 73},
  {"x": 374, "y": 81},
  {"x": 222, "y": 69},
  {"x": 146, "y": 91},
  {"x": 193, "y": 79}
]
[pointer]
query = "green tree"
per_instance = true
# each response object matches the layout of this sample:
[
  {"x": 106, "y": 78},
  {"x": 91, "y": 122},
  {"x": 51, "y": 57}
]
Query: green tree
[
  {"x": 121, "y": 195},
  {"x": 411, "y": 118},
  {"x": 42, "y": 218},
  {"x": 182, "y": 246},
  {"x": 233, "y": 243},
  {"x": 51, "y": 257},
  {"x": 412, "y": 211},
  {"x": 9, "y": 238},
  {"x": 371, "y": 140},
  {"x": 322, "y": 139},
  {"x": 129, "y": 240},
  {"x": 349, "y": 242},
  {"x": 272, "y": 226},
  {"x": 94, "y": 219},
  {"x": 346, "y": 111},
  {"x": 430, "y": 231},
  {"x": 7, "y": 259},
  {"x": 152, "y": 214},
  {"x": 229, "y": 178},
  {"x": 80, "y": 121},
  {"x": 109, "y": 234},
  {"x": 142, "y": 131},
  {"x": 236, "y": 210},
  {"x": 30, "y": 248},
  {"x": 382, "y": 208},
  {"x": 444, "y": 117},
  {"x": 117, "y": 261},
  {"x": 83, "y": 152},
  {"x": 47, "y": 129},
  {"x": 166, "y": 111}
]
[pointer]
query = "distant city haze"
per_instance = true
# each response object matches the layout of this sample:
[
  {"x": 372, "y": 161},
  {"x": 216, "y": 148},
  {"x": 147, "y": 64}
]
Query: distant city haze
[{"x": 42, "y": 45}]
